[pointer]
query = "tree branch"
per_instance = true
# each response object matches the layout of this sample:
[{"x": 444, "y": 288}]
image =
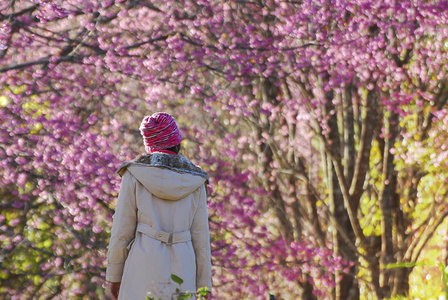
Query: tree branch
[
  {"x": 41, "y": 62},
  {"x": 365, "y": 145},
  {"x": 19, "y": 13}
]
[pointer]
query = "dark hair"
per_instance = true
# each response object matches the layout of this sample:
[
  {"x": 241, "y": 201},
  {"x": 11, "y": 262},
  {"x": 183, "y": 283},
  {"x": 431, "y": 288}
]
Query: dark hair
[{"x": 175, "y": 149}]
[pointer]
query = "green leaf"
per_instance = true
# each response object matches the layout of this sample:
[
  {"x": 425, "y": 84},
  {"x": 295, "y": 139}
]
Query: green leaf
[
  {"x": 184, "y": 296},
  {"x": 176, "y": 279},
  {"x": 406, "y": 265},
  {"x": 48, "y": 243},
  {"x": 203, "y": 291},
  {"x": 444, "y": 278}
]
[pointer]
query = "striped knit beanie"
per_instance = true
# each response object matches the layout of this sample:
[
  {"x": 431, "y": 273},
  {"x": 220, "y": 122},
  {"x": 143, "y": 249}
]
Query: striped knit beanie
[{"x": 159, "y": 132}]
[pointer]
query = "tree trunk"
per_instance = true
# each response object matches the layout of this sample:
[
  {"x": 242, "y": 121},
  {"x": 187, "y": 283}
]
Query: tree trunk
[
  {"x": 307, "y": 291},
  {"x": 347, "y": 287},
  {"x": 266, "y": 157},
  {"x": 388, "y": 205}
]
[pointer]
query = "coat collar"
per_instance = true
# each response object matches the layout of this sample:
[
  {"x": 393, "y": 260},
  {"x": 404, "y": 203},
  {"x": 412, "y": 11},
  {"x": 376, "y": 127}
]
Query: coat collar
[{"x": 175, "y": 163}]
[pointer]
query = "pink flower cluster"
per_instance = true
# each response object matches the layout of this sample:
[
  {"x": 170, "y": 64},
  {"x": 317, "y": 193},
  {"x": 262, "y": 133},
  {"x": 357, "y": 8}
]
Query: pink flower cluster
[{"x": 245, "y": 80}]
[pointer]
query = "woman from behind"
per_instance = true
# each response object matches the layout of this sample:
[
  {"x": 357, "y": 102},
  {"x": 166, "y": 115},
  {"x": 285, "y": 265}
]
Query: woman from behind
[{"x": 160, "y": 225}]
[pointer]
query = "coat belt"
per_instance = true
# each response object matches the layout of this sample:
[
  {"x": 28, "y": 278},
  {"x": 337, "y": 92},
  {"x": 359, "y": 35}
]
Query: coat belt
[{"x": 164, "y": 237}]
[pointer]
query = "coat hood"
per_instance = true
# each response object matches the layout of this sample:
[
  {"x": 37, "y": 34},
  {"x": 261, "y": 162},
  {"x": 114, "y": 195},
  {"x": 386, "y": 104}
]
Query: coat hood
[{"x": 167, "y": 176}]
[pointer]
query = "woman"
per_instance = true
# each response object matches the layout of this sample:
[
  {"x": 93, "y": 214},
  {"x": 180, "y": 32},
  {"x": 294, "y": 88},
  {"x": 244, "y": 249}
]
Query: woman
[{"x": 160, "y": 224}]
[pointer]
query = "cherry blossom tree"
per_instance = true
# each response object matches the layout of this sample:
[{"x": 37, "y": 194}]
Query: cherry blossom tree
[{"x": 302, "y": 112}]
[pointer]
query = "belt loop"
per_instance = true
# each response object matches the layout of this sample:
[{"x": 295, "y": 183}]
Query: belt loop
[{"x": 170, "y": 240}]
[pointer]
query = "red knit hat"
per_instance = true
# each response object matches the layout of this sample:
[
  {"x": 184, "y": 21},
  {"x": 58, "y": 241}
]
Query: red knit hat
[{"x": 159, "y": 132}]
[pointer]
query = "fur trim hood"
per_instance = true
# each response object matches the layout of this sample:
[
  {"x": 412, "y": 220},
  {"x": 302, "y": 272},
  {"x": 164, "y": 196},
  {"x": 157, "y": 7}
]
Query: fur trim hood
[
  {"x": 167, "y": 176},
  {"x": 172, "y": 162}
]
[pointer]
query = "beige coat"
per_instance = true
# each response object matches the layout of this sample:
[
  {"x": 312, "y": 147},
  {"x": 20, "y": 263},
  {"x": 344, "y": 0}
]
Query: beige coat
[{"x": 160, "y": 194}]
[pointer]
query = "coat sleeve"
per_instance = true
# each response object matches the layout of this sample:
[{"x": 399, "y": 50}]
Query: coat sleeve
[
  {"x": 200, "y": 237},
  {"x": 123, "y": 228}
]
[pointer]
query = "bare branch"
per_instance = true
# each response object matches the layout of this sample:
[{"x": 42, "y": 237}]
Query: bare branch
[
  {"x": 19, "y": 13},
  {"x": 41, "y": 62}
]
